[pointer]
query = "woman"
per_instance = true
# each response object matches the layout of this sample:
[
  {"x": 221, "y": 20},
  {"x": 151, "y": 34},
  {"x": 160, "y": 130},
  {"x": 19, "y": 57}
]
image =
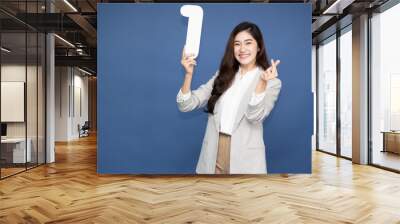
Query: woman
[{"x": 238, "y": 98}]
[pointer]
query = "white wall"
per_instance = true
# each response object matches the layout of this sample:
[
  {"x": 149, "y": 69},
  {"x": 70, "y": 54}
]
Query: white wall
[
  {"x": 62, "y": 80},
  {"x": 13, "y": 73},
  {"x": 71, "y": 93},
  {"x": 79, "y": 112}
]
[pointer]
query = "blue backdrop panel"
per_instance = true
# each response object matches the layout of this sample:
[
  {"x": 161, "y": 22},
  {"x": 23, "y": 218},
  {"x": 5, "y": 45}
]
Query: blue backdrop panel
[{"x": 141, "y": 130}]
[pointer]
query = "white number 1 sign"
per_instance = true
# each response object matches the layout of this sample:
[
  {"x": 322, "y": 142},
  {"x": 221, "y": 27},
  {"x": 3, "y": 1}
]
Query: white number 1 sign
[{"x": 195, "y": 15}]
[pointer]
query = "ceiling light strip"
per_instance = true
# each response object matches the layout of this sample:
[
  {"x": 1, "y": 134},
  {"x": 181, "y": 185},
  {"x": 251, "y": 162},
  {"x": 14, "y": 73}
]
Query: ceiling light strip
[
  {"x": 331, "y": 7},
  {"x": 84, "y": 71},
  {"x": 65, "y": 41},
  {"x": 70, "y": 5},
  {"x": 5, "y": 49}
]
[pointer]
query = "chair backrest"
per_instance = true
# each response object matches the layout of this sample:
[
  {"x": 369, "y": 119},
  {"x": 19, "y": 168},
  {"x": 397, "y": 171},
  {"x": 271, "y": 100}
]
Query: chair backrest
[{"x": 86, "y": 125}]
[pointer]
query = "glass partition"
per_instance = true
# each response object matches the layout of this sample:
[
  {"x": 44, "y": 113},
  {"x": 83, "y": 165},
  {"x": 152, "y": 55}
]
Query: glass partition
[
  {"x": 327, "y": 95},
  {"x": 346, "y": 93},
  {"x": 32, "y": 95},
  {"x": 22, "y": 77},
  {"x": 14, "y": 153},
  {"x": 385, "y": 89}
]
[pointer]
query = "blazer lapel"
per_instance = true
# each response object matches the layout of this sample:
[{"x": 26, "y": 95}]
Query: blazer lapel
[
  {"x": 245, "y": 100},
  {"x": 242, "y": 106}
]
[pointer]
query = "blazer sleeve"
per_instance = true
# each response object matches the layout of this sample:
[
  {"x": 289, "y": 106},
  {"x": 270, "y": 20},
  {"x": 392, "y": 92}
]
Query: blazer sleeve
[
  {"x": 198, "y": 98},
  {"x": 258, "y": 112}
]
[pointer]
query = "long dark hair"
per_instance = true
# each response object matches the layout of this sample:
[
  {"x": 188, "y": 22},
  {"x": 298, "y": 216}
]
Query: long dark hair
[{"x": 229, "y": 65}]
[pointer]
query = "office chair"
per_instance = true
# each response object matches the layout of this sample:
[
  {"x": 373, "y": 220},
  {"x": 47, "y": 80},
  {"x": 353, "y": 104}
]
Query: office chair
[{"x": 84, "y": 130}]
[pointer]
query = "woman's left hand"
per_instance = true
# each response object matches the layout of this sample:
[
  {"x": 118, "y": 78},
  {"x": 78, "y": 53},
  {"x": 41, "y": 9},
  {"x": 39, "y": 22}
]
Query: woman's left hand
[{"x": 271, "y": 72}]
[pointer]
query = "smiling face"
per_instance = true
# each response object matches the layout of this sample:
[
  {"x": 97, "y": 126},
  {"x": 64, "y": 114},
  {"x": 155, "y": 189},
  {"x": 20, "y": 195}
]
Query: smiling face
[{"x": 245, "y": 49}]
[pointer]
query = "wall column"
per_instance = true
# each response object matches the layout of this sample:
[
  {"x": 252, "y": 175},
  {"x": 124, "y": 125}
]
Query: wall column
[{"x": 360, "y": 90}]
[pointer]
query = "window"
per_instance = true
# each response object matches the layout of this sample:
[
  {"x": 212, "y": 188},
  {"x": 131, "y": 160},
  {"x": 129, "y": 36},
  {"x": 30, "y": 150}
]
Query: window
[
  {"x": 346, "y": 74},
  {"x": 327, "y": 95},
  {"x": 385, "y": 88}
]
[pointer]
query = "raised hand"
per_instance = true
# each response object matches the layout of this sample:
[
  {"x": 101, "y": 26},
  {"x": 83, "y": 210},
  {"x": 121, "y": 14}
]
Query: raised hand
[
  {"x": 188, "y": 62},
  {"x": 271, "y": 72}
]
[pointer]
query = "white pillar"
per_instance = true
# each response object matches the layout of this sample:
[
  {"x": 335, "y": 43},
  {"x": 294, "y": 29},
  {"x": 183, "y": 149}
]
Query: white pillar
[
  {"x": 360, "y": 90},
  {"x": 50, "y": 91}
]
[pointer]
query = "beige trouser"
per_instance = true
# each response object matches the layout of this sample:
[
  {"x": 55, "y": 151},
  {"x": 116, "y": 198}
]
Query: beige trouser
[{"x": 223, "y": 156}]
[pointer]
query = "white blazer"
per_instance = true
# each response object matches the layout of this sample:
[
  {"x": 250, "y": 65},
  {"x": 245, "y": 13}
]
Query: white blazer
[{"x": 247, "y": 154}]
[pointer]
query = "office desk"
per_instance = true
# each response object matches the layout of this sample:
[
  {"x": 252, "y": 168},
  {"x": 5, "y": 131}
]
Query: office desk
[
  {"x": 391, "y": 141},
  {"x": 13, "y": 150}
]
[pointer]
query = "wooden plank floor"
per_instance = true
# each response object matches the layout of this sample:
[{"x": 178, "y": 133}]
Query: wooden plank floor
[{"x": 70, "y": 191}]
